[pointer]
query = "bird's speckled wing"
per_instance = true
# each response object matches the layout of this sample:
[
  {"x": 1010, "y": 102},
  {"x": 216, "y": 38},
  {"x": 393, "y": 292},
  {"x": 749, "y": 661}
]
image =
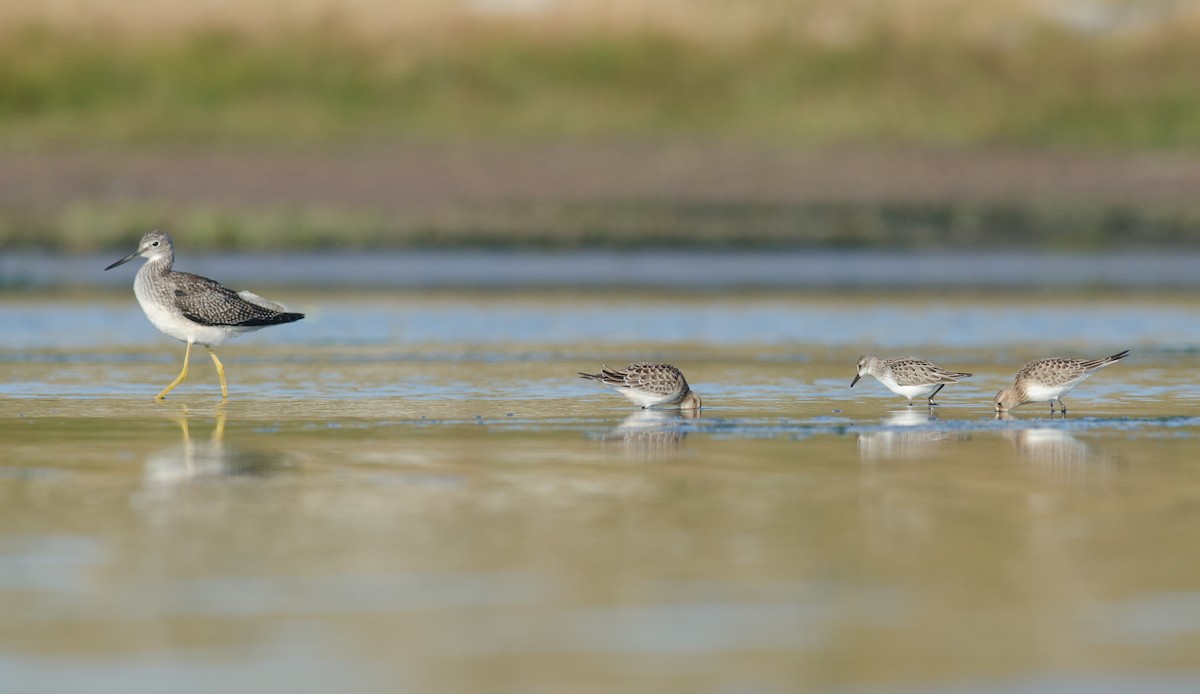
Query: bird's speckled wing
[
  {"x": 910, "y": 371},
  {"x": 1056, "y": 371},
  {"x": 645, "y": 377},
  {"x": 648, "y": 377},
  {"x": 208, "y": 302}
]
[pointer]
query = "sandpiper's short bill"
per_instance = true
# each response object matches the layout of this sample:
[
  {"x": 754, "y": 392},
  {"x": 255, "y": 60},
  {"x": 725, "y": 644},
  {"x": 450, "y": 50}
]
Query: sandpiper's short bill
[
  {"x": 648, "y": 384},
  {"x": 908, "y": 376},
  {"x": 1047, "y": 380},
  {"x": 195, "y": 309}
]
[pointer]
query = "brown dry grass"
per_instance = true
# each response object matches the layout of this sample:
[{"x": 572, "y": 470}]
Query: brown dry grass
[{"x": 830, "y": 21}]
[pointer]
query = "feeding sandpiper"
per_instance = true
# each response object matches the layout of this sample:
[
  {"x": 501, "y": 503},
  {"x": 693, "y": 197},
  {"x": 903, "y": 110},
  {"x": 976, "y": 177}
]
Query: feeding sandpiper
[
  {"x": 907, "y": 376},
  {"x": 648, "y": 384},
  {"x": 1047, "y": 380},
  {"x": 195, "y": 309}
]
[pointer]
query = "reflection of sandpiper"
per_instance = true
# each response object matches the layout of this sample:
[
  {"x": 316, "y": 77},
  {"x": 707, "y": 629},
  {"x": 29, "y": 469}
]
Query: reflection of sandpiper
[
  {"x": 907, "y": 376},
  {"x": 193, "y": 460},
  {"x": 1057, "y": 453},
  {"x": 894, "y": 441},
  {"x": 195, "y": 309},
  {"x": 651, "y": 434},
  {"x": 648, "y": 384},
  {"x": 1047, "y": 380}
]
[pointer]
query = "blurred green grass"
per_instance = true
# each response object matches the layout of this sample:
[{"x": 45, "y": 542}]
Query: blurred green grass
[
  {"x": 752, "y": 76},
  {"x": 934, "y": 226},
  {"x": 327, "y": 86}
]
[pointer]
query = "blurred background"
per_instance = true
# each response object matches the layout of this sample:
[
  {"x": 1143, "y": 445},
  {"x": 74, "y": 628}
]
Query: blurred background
[
  {"x": 1064, "y": 125},
  {"x": 411, "y": 489}
]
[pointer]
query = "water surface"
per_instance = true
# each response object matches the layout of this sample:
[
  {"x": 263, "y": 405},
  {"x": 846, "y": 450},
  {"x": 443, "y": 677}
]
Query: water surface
[
  {"x": 413, "y": 492},
  {"x": 661, "y": 269}
]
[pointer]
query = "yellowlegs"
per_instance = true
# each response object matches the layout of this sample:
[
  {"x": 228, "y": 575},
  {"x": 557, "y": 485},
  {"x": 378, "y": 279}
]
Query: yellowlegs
[
  {"x": 649, "y": 385},
  {"x": 195, "y": 309},
  {"x": 1047, "y": 380},
  {"x": 907, "y": 376}
]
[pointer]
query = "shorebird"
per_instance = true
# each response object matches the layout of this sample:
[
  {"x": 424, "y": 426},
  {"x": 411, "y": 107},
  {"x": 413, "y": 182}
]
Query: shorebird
[
  {"x": 648, "y": 384},
  {"x": 907, "y": 376},
  {"x": 195, "y": 309},
  {"x": 1047, "y": 380}
]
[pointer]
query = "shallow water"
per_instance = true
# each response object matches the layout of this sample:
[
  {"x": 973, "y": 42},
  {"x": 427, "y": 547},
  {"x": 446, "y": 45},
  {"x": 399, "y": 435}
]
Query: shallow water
[
  {"x": 412, "y": 492},
  {"x": 661, "y": 269}
]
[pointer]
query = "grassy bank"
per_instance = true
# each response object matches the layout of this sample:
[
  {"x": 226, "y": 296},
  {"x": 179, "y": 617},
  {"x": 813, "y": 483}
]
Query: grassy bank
[
  {"x": 630, "y": 225},
  {"x": 603, "y": 196},
  {"x": 617, "y": 92},
  {"x": 1028, "y": 80}
]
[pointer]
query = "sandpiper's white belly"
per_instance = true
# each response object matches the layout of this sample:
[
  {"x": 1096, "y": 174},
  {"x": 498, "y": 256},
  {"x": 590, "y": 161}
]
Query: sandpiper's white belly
[
  {"x": 910, "y": 392},
  {"x": 1037, "y": 392},
  {"x": 644, "y": 399}
]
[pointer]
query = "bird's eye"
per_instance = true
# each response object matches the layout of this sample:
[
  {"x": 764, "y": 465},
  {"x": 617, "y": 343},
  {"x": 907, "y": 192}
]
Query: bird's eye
[{"x": 154, "y": 244}]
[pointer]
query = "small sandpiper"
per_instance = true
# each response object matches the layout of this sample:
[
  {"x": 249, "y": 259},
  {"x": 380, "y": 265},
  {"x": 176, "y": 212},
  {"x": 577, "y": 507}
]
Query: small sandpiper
[
  {"x": 648, "y": 384},
  {"x": 907, "y": 376},
  {"x": 195, "y": 309},
  {"x": 1047, "y": 380}
]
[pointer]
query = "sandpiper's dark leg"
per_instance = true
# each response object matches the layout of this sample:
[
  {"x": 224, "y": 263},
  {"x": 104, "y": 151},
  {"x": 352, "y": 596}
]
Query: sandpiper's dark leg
[
  {"x": 1062, "y": 406},
  {"x": 935, "y": 392}
]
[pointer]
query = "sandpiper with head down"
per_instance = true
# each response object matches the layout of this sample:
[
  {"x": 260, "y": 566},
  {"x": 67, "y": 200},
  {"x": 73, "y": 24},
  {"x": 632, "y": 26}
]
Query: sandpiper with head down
[
  {"x": 195, "y": 309},
  {"x": 1047, "y": 380},
  {"x": 648, "y": 384},
  {"x": 907, "y": 376}
]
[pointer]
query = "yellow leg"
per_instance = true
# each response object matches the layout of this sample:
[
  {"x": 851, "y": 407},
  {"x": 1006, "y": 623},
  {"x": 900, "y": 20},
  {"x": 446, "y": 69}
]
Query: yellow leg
[
  {"x": 220, "y": 372},
  {"x": 187, "y": 356}
]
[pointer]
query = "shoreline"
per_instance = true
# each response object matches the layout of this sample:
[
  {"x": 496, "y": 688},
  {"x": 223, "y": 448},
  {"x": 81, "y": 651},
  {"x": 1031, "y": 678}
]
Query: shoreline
[{"x": 573, "y": 196}]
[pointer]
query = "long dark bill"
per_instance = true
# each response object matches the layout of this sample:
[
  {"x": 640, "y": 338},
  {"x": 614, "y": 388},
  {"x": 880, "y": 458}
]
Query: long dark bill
[{"x": 124, "y": 260}]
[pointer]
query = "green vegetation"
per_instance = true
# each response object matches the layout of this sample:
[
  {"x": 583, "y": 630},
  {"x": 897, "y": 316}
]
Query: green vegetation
[
  {"x": 752, "y": 78},
  {"x": 326, "y": 85},
  {"x": 630, "y": 225}
]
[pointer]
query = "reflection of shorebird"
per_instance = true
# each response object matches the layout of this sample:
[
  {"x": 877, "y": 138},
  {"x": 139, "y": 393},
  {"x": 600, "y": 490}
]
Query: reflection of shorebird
[
  {"x": 195, "y": 309},
  {"x": 910, "y": 418},
  {"x": 1059, "y": 453},
  {"x": 193, "y": 460},
  {"x": 907, "y": 376},
  {"x": 1047, "y": 380},
  {"x": 648, "y": 384},
  {"x": 649, "y": 434},
  {"x": 895, "y": 442}
]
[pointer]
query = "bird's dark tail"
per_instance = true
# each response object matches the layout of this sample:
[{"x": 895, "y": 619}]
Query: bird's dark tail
[
  {"x": 277, "y": 319},
  {"x": 1097, "y": 363}
]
